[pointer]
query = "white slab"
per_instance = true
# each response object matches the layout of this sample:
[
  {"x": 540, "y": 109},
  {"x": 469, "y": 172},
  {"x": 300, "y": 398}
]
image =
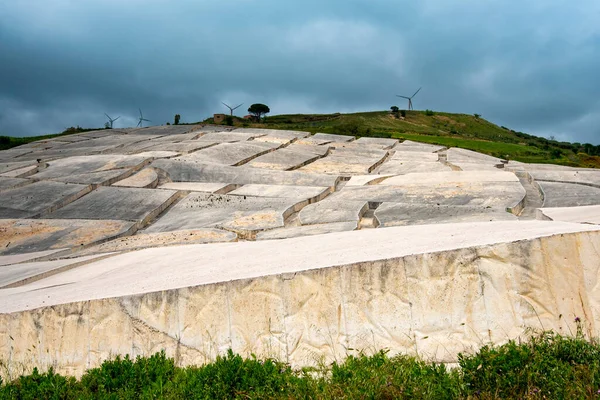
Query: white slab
[{"x": 158, "y": 269}]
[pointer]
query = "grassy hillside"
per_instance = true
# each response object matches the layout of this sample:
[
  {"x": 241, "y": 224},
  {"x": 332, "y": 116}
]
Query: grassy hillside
[
  {"x": 7, "y": 142},
  {"x": 452, "y": 130}
]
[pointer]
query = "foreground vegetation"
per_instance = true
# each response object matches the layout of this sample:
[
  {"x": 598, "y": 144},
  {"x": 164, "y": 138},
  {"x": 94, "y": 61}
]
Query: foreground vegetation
[{"x": 548, "y": 366}]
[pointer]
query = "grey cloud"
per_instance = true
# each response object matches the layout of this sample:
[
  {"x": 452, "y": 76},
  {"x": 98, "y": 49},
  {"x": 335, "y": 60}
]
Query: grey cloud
[{"x": 530, "y": 66}]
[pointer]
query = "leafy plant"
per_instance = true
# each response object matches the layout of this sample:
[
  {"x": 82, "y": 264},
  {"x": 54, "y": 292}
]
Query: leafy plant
[{"x": 176, "y": 119}]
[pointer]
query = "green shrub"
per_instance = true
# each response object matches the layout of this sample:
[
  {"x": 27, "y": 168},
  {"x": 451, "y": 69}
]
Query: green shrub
[
  {"x": 546, "y": 366},
  {"x": 429, "y": 113}
]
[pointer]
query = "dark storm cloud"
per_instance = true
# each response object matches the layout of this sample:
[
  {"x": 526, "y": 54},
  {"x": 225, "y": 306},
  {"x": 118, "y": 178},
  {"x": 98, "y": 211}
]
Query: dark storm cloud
[{"x": 532, "y": 66}]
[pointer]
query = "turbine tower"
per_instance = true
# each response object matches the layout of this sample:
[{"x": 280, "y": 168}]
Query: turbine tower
[
  {"x": 142, "y": 119},
  {"x": 111, "y": 120},
  {"x": 410, "y": 106},
  {"x": 232, "y": 108}
]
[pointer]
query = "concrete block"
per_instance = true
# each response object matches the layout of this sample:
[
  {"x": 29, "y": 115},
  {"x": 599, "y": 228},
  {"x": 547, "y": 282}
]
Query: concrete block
[
  {"x": 283, "y": 159},
  {"x": 216, "y": 188},
  {"x": 333, "y": 138},
  {"x": 39, "y": 235},
  {"x": 309, "y": 193},
  {"x": 126, "y": 204},
  {"x": 242, "y": 214},
  {"x": 581, "y": 215},
  {"x": 230, "y": 153},
  {"x": 146, "y": 178},
  {"x": 558, "y": 194},
  {"x": 306, "y": 230},
  {"x": 181, "y": 171},
  {"x": 38, "y": 198}
]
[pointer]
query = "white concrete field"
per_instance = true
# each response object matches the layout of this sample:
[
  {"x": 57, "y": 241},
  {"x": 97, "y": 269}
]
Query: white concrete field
[{"x": 196, "y": 239}]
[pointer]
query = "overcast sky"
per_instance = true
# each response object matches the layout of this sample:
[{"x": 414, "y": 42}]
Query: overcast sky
[{"x": 531, "y": 65}]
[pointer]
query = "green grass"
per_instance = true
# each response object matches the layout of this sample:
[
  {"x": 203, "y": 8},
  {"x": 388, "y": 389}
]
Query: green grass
[{"x": 547, "y": 366}]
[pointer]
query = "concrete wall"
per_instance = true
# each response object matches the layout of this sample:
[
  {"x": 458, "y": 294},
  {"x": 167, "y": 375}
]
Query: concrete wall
[{"x": 435, "y": 304}]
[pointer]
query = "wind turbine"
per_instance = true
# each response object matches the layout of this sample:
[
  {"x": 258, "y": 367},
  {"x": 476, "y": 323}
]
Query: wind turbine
[
  {"x": 142, "y": 119},
  {"x": 410, "y": 106},
  {"x": 232, "y": 108},
  {"x": 111, "y": 120}
]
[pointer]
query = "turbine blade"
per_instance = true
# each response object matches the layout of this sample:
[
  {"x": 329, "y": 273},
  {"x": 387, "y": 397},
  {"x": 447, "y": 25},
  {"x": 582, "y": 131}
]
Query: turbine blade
[
  {"x": 226, "y": 105},
  {"x": 108, "y": 116},
  {"x": 404, "y": 97},
  {"x": 238, "y": 106},
  {"x": 416, "y": 92},
  {"x": 117, "y": 118},
  {"x": 141, "y": 115}
]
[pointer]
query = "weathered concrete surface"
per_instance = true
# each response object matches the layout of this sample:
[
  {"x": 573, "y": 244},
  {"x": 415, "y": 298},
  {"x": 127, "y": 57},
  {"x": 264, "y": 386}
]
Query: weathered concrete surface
[
  {"x": 568, "y": 194},
  {"x": 100, "y": 178},
  {"x": 128, "y": 204},
  {"x": 306, "y": 230},
  {"x": 34, "y": 235},
  {"x": 23, "y": 257},
  {"x": 398, "y": 214},
  {"x": 20, "y": 274},
  {"x": 462, "y": 155},
  {"x": 421, "y": 156},
  {"x": 344, "y": 164},
  {"x": 280, "y": 136},
  {"x": 385, "y": 143},
  {"x": 309, "y": 193},
  {"x": 229, "y": 137},
  {"x": 361, "y": 180},
  {"x": 451, "y": 178},
  {"x": 231, "y": 153},
  {"x": 82, "y": 165},
  {"x": 216, "y": 188},
  {"x": 6, "y": 167},
  {"x": 333, "y": 138},
  {"x": 409, "y": 145},
  {"x": 11, "y": 183},
  {"x": 21, "y": 172},
  {"x": 478, "y": 194},
  {"x": 320, "y": 150},
  {"x": 181, "y": 171},
  {"x": 401, "y": 288},
  {"x": 283, "y": 159},
  {"x": 143, "y": 240},
  {"x": 244, "y": 215},
  {"x": 400, "y": 167},
  {"x": 332, "y": 210},
  {"x": 581, "y": 215},
  {"x": 146, "y": 178},
  {"x": 188, "y": 146},
  {"x": 583, "y": 177},
  {"x": 38, "y": 198}
]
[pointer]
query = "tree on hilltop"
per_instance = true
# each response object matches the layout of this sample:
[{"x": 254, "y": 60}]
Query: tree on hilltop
[{"x": 258, "y": 110}]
